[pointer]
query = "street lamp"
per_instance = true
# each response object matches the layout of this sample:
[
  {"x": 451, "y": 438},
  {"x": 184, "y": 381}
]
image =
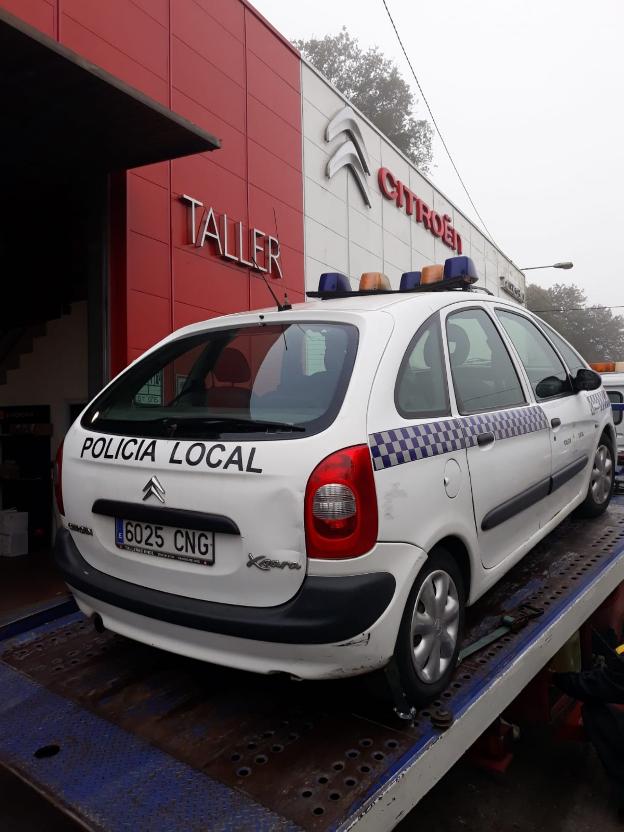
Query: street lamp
[{"x": 565, "y": 265}]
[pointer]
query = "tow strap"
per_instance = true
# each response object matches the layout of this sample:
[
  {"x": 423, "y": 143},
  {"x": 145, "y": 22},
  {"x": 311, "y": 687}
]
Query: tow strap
[{"x": 509, "y": 624}]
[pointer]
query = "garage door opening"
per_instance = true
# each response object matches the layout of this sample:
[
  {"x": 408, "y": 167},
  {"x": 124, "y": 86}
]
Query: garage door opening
[
  {"x": 52, "y": 352},
  {"x": 70, "y": 129}
]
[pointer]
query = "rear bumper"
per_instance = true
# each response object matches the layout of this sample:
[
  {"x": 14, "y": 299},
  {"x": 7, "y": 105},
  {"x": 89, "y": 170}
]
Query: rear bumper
[{"x": 326, "y": 610}]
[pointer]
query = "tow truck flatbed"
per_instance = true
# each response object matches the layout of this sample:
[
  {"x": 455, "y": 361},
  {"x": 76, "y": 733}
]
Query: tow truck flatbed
[{"x": 122, "y": 736}]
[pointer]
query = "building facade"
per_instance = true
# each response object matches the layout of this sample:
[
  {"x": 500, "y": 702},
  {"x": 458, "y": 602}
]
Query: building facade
[{"x": 164, "y": 160}]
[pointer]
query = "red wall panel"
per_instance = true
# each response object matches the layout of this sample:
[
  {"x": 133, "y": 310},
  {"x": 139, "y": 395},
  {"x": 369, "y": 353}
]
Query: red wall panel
[
  {"x": 38, "y": 13},
  {"x": 126, "y": 27},
  {"x": 263, "y": 41},
  {"x": 230, "y": 14},
  {"x": 206, "y": 84},
  {"x": 149, "y": 319},
  {"x": 232, "y": 155},
  {"x": 220, "y": 65},
  {"x": 148, "y": 266},
  {"x": 148, "y": 208},
  {"x": 204, "y": 281},
  {"x": 276, "y": 218},
  {"x": 113, "y": 60},
  {"x": 183, "y": 314},
  {"x": 209, "y": 38},
  {"x": 273, "y": 133},
  {"x": 269, "y": 87}
]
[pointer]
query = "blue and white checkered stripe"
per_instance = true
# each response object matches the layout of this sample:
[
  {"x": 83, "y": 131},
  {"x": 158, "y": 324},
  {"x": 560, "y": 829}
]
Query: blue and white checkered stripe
[
  {"x": 394, "y": 447},
  {"x": 598, "y": 401},
  {"x": 409, "y": 444},
  {"x": 504, "y": 424}
]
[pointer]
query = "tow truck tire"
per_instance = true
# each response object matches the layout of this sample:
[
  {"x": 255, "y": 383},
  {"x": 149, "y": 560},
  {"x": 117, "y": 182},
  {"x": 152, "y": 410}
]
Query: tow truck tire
[
  {"x": 433, "y": 615},
  {"x": 599, "y": 491}
]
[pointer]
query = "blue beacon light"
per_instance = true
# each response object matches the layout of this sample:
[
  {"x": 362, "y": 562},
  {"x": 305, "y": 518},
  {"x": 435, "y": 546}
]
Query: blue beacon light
[
  {"x": 334, "y": 282},
  {"x": 409, "y": 281}
]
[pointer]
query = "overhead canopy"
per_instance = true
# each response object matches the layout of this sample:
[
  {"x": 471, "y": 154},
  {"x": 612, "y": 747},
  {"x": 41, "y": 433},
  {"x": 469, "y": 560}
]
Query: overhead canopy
[{"x": 61, "y": 112}]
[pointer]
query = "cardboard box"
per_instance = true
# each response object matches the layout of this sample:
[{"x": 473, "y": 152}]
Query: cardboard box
[
  {"x": 13, "y": 545},
  {"x": 12, "y": 522}
]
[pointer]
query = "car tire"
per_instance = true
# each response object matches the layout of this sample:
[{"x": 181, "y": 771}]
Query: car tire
[
  {"x": 601, "y": 481},
  {"x": 431, "y": 629}
]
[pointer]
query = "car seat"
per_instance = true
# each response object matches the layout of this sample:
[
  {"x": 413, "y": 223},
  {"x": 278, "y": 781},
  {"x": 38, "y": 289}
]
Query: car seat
[{"x": 231, "y": 369}]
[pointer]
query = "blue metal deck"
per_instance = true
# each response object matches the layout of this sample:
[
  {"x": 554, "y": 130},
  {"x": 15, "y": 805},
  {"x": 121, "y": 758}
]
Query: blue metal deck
[{"x": 142, "y": 740}]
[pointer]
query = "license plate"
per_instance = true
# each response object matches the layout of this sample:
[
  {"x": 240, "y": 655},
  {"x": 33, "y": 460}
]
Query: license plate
[{"x": 165, "y": 541}]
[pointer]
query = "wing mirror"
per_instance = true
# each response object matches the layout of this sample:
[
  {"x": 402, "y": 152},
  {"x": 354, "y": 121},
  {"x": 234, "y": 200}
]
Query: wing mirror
[{"x": 586, "y": 380}]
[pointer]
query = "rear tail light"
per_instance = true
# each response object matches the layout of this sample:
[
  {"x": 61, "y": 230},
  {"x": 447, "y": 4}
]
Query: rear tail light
[
  {"x": 341, "y": 505},
  {"x": 58, "y": 480}
]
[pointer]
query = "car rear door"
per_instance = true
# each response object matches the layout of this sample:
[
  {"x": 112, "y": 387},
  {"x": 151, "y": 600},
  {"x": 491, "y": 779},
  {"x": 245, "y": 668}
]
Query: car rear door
[
  {"x": 506, "y": 435},
  {"x": 571, "y": 425}
]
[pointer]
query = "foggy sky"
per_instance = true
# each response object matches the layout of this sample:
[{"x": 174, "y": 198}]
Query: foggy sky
[{"x": 530, "y": 97}]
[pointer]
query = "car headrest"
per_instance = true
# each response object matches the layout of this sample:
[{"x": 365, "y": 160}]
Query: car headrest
[
  {"x": 459, "y": 345},
  {"x": 232, "y": 367}
]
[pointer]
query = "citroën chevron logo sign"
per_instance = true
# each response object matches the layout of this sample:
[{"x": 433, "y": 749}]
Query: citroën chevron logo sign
[{"x": 352, "y": 153}]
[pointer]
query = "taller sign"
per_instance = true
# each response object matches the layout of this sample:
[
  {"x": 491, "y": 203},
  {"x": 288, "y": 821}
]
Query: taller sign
[{"x": 250, "y": 248}]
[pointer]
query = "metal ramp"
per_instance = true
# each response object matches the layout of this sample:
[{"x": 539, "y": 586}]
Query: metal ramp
[{"x": 127, "y": 737}]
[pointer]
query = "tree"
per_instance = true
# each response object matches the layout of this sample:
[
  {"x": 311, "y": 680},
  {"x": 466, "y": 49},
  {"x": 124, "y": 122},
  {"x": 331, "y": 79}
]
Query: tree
[
  {"x": 595, "y": 332},
  {"x": 375, "y": 86}
]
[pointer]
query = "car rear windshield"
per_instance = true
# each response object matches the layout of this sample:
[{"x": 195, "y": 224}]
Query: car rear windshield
[{"x": 262, "y": 381}]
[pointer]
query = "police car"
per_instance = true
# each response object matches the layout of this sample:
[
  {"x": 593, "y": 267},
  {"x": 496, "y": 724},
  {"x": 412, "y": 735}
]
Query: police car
[{"x": 321, "y": 490}]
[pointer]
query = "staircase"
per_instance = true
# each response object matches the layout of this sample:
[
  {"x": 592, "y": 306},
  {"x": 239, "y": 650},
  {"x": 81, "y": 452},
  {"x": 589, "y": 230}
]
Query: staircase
[{"x": 15, "y": 343}]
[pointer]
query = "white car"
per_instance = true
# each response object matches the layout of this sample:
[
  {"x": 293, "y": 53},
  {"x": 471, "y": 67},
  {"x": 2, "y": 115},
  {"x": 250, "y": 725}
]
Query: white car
[
  {"x": 319, "y": 490},
  {"x": 613, "y": 383}
]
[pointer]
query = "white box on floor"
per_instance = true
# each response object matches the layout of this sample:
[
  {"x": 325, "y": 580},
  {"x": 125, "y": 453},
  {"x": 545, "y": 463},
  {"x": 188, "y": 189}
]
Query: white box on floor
[
  {"x": 12, "y": 545},
  {"x": 13, "y": 521}
]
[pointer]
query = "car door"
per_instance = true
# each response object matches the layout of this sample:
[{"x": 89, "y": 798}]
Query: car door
[
  {"x": 589, "y": 402},
  {"x": 571, "y": 436},
  {"x": 419, "y": 458},
  {"x": 506, "y": 435}
]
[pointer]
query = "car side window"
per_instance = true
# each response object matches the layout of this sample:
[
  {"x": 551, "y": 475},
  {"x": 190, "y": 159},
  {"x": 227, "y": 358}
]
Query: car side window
[
  {"x": 570, "y": 356},
  {"x": 615, "y": 397},
  {"x": 548, "y": 376},
  {"x": 421, "y": 387},
  {"x": 484, "y": 376}
]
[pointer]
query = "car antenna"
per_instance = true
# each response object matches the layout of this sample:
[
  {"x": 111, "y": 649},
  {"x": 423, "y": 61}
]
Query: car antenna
[
  {"x": 286, "y": 304},
  {"x": 281, "y": 307}
]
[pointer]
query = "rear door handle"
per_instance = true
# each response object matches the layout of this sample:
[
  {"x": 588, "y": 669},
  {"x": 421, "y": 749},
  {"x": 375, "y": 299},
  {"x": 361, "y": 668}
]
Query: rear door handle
[
  {"x": 485, "y": 439},
  {"x": 555, "y": 423}
]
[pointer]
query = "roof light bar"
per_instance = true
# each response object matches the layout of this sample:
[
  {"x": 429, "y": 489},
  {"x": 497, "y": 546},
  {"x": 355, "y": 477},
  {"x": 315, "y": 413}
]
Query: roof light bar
[{"x": 456, "y": 273}]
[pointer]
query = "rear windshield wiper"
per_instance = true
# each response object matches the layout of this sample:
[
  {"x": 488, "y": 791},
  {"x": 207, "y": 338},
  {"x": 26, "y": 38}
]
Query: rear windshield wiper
[{"x": 177, "y": 426}]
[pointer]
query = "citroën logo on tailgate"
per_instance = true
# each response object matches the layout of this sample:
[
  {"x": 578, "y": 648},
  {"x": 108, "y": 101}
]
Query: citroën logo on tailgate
[{"x": 153, "y": 488}]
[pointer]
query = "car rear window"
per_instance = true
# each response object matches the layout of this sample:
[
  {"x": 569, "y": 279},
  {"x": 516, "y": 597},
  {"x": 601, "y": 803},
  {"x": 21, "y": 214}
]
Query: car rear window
[{"x": 262, "y": 381}]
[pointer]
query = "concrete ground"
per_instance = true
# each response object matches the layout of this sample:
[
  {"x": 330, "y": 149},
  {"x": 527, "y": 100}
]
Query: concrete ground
[{"x": 548, "y": 788}]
